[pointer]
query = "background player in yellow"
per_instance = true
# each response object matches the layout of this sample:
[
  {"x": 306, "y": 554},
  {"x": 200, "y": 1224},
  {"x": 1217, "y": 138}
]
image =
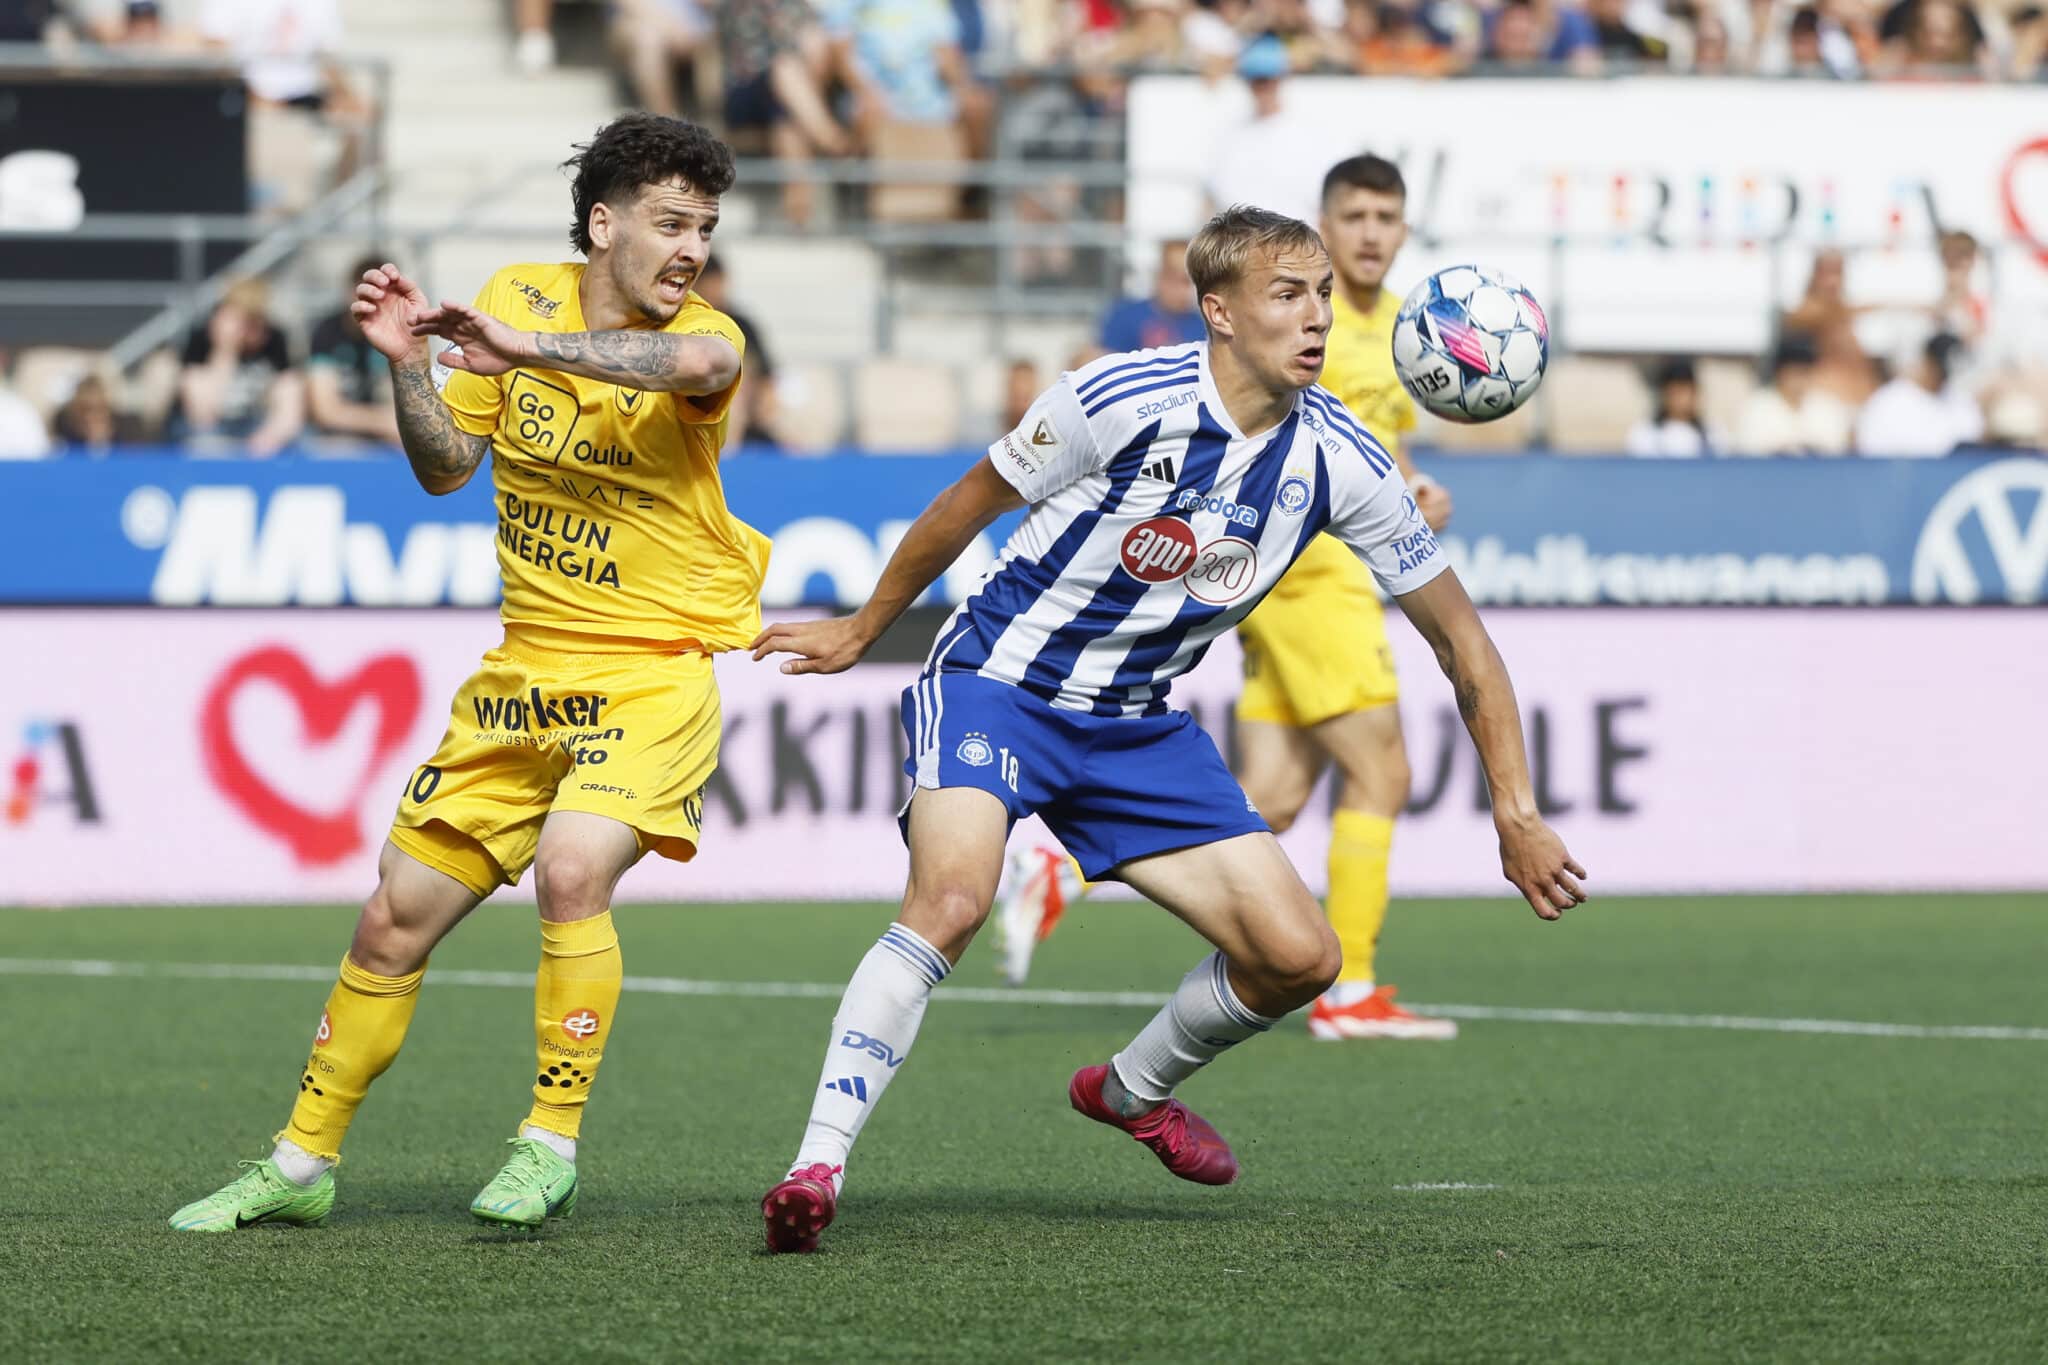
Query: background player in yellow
[
  {"x": 1319, "y": 676},
  {"x": 599, "y": 391}
]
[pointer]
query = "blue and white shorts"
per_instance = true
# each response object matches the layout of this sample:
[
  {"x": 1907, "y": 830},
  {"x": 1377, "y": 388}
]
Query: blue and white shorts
[{"x": 1111, "y": 788}]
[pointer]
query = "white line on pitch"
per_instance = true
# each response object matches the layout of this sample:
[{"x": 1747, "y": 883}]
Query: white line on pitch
[
  {"x": 1430, "y": 1186},
  {"x": 999, "y": 995}
]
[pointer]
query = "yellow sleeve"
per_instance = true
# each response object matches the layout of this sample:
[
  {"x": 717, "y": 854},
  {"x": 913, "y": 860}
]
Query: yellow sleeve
[
  {"x": 475, "y": 400},
  {"x": 705, "y": 409}
]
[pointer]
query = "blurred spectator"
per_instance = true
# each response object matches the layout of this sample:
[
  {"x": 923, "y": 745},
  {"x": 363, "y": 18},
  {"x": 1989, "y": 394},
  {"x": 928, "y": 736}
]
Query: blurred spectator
[
  {"x": 1514, "y": 37},
  {"x": 2029, "y": 41},
  {"x": 901, "y": 60},
  {"x": 1157, "y": 38},
  {"x": 1526, "y": 33},
  {"x": 1831, "y": 38},
  {"x": 1939, "y": 38},
  {"x": 1712, "y": 52},
  {"x": 89, "y": 424},
  {"x": 754, "y": 412},
  {"x": 1962, "y": 309},
  {"x": 348, "y": 381},
  {"x": 1826, "y": 318},
  {"x": 1617, "y": 41},
  {"x": 286, "y": 50},
  {"x": 651, "y": 38},
  {"x": 238, "y": 382},
  {"x": 1791, "y": 415},
  {"x": 1214, "y": 32},
  {"x": 132, "y": 24},
  {"x": 1262, "y": 161},
  {"x": 776, "y": 61},
  {"x": 1021, "y": 387},
  {"x": 1676, "y": 431},
  {"x": 1169, "y": 315},
  {"x": 1921, "y": 412},
  {"x": 1310, "y": 43},
  {"x": 1397, "y": 40},
  {"x": 533, "y": 46},
  {"x": 2014, "y": 420},
  {"x": 23, "y": 436}
]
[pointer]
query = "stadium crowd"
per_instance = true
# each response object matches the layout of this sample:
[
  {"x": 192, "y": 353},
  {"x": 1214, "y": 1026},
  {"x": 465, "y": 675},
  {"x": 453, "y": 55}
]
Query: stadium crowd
[{"x": 918, "y": 80}]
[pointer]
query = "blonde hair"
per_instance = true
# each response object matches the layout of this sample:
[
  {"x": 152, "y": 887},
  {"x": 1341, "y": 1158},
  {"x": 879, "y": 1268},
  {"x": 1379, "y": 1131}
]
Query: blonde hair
[
  {"x": 249, "y": 294},
  {"x": 1229, "y": 243}
]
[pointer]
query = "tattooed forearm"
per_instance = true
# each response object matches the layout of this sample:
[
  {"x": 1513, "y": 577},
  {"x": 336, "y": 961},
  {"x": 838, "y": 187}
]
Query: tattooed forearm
[
  {"x": 646, "y": 360},
  {"x": 656, "y": 361},
  {"x": 443, "y": 455}
]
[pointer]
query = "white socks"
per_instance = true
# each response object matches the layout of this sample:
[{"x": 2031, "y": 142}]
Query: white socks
[
  {"x": 871, "y": 1035},
  {"x": 299, "y": 1166},
  {"x": 563, "y": 1147},
  {"x": 1344, "y": 994},
  {"x": 1204, "y": 1018}
]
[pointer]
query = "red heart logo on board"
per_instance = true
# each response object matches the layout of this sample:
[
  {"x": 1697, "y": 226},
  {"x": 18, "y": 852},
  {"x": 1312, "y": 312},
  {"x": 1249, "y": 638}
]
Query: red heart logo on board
[{"x": 390, "y": 682}]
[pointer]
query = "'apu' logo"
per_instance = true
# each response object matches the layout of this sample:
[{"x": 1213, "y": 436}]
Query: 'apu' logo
[{"x": 1158, "y": 550}]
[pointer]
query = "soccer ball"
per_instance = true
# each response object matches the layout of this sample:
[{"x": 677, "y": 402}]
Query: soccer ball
[{"x": 1470, "y": 344}]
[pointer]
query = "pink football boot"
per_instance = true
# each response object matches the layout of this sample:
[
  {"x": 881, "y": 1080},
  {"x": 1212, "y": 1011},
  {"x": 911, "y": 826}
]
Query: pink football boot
[{"x": 1182, "y": 1139}]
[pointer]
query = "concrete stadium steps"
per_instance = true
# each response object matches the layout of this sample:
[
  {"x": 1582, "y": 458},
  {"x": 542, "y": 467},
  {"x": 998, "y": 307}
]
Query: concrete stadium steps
[{"x": 816, "y": 298}]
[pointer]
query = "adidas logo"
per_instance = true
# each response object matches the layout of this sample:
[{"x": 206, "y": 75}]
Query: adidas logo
[
  {"x": 855, "y": 1086},
  {"x": 1161, "y": 470}
]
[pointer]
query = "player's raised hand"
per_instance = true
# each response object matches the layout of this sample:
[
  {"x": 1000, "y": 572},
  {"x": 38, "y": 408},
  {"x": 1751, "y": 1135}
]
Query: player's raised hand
[
  {"x": 483, "y": 345},
  {"x": 1433, "y": 500},
  {"x": 1536, "y": 861},
  {"x": 385, "y": 305},
  {"x": 831, "y": 646}
]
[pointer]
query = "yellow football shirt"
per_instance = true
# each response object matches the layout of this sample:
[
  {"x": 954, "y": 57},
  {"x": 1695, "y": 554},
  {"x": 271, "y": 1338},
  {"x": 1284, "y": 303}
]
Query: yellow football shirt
[
  {"x": 612, "y": 520},
  {"x": 1358, "y": 366}
]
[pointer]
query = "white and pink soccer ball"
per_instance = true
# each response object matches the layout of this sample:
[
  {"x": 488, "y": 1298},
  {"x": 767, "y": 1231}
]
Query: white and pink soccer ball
[{"x": 1470, "y": 344}]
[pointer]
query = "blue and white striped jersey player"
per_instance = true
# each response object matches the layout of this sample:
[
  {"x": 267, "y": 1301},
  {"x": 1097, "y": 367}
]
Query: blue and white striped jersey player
[{"x": 1169, "y": 490}]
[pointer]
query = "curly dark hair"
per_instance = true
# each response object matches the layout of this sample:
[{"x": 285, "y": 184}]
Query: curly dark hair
[{"x": 640, "y": 149}]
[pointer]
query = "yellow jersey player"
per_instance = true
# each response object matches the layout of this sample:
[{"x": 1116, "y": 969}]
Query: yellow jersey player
[
  {"x": 1319, "y": 676},
  {"x": 1318, "y": 673},
  {"x": 599, "y": 391}
]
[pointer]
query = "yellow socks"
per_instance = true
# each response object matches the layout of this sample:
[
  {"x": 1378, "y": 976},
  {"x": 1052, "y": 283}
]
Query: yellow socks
[
  {"x": 574, "y": 998},
  {"x": 360, "y": 1033},
  {"x": 1359, "y": 845}
]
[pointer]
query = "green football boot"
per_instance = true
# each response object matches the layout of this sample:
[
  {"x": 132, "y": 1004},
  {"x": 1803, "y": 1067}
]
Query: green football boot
[
  {"x": 261, "y": 1194},
  {"x": 534, "y": 1186}
]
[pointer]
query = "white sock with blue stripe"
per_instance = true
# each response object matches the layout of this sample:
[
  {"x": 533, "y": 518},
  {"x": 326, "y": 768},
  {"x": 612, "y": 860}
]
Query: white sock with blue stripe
[
  {"x": 871, "y": 1035},
  {"x": 1194, "y": 1028}
]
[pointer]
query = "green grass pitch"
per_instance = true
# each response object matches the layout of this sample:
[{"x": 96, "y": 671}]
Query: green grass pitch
[{"x": 1634, "y": 1193}]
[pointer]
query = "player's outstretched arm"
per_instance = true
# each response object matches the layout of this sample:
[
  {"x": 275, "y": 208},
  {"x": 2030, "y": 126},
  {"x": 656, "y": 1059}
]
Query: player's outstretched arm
[
  {"x": 658, "y": 362},
  {"x": 443, "y": 455},
  {"x": 1531, "y": 855},
  {"x": 927, "y": 550}
]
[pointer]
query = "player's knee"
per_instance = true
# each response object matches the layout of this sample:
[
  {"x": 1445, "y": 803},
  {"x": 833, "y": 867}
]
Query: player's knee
[
  {"x": 947, "y": 915},
  {"x": 384, "y": 943},
  {"x": 1297, "y": 963},
  {"x": 571, "y": 883}
]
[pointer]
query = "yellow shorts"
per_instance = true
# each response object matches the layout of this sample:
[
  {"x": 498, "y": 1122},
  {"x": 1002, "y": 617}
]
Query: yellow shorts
[
  {"x": 631, "y": 736},
  {"x": 1317, "y": 646}
]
